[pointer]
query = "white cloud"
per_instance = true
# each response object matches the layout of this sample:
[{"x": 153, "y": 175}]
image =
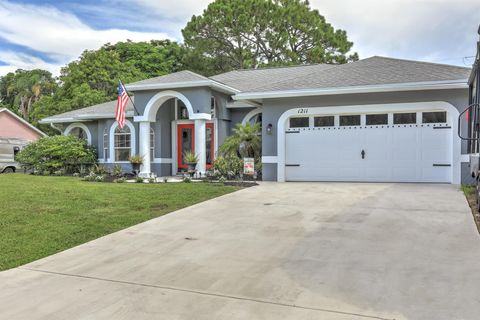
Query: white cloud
[
  {"x": 432, "y": 30},
  {"x": 17, "y": 60},
  {"x": 58, "y": 34}
]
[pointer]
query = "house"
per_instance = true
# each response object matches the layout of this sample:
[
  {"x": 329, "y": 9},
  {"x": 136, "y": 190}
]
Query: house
[
  {"x": 378, "y": 119},
  {"x": 13, "y": 126}
]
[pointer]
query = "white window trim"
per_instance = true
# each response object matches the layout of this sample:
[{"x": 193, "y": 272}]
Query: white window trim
[
  {"x": 105, "y": 132},
  {"x": 133, "y": 141},
  {"x": 152, "y": 142},
  {"x": 452, "y": 114},
  {"x": 250, "y": 115},
  {"x": 81, "y": 126}
]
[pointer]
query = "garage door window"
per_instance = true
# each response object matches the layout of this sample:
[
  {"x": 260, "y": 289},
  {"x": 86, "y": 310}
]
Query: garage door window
[
  {"x": 299, "y": 122},
  {"x": 434, "y": 117},
  {"x": 350, "y": 120},
  {"x": 376, "y": 119},
  {"x": 328, "y": 121},
  {"x": 404, "y": 118}
]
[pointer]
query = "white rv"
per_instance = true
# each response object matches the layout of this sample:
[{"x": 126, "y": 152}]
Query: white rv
[{"x": 9, "y": 147}]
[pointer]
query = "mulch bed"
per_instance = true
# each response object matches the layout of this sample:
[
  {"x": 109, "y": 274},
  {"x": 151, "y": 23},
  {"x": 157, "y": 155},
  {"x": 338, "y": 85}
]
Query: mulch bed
[{"x": 473, "y": 205}]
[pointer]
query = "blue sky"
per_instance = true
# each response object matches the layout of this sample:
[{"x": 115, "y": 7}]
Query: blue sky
[{"x": 48, "y": 34}]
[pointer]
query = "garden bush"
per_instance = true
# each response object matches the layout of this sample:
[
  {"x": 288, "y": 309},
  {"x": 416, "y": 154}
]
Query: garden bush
[
  {"x": 230, "y": 167},
  {"x": 48, "y": 155}
]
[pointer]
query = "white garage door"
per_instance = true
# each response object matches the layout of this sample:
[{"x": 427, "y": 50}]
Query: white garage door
[{"x": 388, "y": 147}]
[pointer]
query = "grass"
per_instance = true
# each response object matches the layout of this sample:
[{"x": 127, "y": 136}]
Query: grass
[
  {"x": 468, "y": 190},
  {"x": 40, "y": 216}
]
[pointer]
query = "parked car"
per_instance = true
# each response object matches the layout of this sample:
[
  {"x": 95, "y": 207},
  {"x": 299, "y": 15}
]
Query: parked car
[{"x": 9, "y": 147}]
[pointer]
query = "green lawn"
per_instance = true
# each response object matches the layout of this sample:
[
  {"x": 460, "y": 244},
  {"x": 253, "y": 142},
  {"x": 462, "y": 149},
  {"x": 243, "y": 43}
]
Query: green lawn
[{"x": 40, "y": 216}]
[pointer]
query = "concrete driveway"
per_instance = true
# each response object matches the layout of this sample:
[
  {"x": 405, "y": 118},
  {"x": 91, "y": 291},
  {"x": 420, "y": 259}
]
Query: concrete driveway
[{"x": 277, "y": 251}]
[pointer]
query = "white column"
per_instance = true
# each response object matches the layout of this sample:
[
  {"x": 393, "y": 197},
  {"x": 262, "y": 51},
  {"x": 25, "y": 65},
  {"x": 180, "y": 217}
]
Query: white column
[
  {"x": 144, "y": 142},
  {"x": 200, "y": 145}
]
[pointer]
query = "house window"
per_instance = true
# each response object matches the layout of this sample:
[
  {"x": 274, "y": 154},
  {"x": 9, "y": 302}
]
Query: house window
[
  {"x": 328, "y": 121},
  {"x": 152, "y": 144},
  {"x": 122, "y": 143},
  {"x": 353, "y": 120},
  {"x": 105, "y": 144},
  {"x": 434, "y": 117},
  {"x": 213, "y": 107},
  {"x": 404, "y": 118},
  {"x": 182, "y": 111},
  {"x": 299, "y": 122},
  {"x": 376, "y": 119},
  {"x": 79, "y": 133}
]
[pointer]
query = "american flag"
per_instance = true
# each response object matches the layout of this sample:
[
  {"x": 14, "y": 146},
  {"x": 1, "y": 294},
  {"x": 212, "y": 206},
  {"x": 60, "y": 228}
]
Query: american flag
[{"x": 121, "y": 105}]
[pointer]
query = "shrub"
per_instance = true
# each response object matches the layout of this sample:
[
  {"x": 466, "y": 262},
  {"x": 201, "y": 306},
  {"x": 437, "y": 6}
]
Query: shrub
[
  {"x": 151, "y": 180},
  {"x": 222, "y": 179},
  {"x": 139, "y": 180},
  {"x": 117, "y": 171},
  {"x": 99, "y": 170},
  {"x": 120, "y": 180},
  {"x": 92, "y": 177},
  {"x": 187, "y": 179},
  {"x": 50, "y": 154},
  {"x": 229, "y": 166}
]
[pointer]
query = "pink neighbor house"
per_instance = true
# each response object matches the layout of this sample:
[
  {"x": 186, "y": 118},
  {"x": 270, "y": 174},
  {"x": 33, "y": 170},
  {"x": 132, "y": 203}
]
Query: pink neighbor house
[{"x": 12, "y": 126}]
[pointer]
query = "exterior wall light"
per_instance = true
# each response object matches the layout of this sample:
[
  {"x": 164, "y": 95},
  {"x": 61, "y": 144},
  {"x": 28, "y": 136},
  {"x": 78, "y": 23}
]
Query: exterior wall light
[{"x": 269, "y": 128}]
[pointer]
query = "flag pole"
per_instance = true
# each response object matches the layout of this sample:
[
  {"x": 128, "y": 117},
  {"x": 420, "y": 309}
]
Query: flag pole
[{"x": 128, "y": 95}]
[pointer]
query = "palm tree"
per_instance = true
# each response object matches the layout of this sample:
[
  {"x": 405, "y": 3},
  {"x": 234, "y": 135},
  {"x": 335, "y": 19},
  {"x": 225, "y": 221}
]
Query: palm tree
[
  {"x": 27, "y": 87},
  {"x": 246, "y": 141}
]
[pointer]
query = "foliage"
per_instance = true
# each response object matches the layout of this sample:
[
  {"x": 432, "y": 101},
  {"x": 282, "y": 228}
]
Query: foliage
[
  {"x": 232, "y": 34},
  {"x": 139, "y": 180},
  {"x": 19, "y": 90},
  {"x": 187, "y": 180},
  {"x": 93, "y": 177},
  {"x": 50, "y": 154},
  {"x": 468, "y": 190},
  {"x": 98, "y": 169},
  {"x": 117, "y": 171},
  {"x": 190, "y": 157},
  {"x": 52, "y": 214},
  {"x": 229, "y": 166},
  {"x": 136, "y": 159},
  {"x": 245, "y": 142},
  {"x": 120, "y": 180}
]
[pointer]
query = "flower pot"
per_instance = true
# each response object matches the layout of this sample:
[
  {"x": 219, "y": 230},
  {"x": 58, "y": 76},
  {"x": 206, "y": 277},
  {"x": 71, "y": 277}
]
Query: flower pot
[
  {"x": 192, "y": 166},
  {"x": 136, "y": 168}
]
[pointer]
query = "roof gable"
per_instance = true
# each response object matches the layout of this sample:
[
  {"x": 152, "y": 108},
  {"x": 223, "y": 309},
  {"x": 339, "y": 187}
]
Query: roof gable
[{"x": 22, "y": 121}]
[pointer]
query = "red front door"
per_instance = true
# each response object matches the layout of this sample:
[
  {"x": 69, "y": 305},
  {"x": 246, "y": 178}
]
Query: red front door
[{"x": 185, "y": 142}]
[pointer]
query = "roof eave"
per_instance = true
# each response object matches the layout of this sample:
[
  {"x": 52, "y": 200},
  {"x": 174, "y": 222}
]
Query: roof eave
[
  {"x": 412, "y": 86},
  {"x": 187, "y": 84},
  {"x": 83, "y": 118}
]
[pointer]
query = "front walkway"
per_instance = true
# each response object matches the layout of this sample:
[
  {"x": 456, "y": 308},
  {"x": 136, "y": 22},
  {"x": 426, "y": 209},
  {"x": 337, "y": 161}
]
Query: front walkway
[{"x": 277, "y": 251}]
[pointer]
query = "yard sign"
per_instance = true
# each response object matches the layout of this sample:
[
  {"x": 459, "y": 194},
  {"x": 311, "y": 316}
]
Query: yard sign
[{"x": 249, "y": 166}]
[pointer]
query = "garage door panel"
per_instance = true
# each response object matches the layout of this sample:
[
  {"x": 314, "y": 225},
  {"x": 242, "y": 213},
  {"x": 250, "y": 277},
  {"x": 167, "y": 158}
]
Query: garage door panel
[{"x": 393, "y": 153}]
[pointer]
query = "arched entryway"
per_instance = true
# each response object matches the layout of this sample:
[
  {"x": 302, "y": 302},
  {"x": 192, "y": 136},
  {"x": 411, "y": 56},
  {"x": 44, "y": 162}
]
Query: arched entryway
[{"x": 196, "y": 131}]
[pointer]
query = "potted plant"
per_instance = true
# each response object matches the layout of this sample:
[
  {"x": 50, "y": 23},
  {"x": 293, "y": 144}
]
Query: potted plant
[
  {"x": 136, "y": 161},
  {"x": 191, "y": 160}
]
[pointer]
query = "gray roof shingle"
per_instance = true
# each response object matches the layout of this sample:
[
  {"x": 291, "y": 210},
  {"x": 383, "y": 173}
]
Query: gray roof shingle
[
  {"x": 370, "y": 71},
  {"x": 181, "y": 76},
  {"x": 251, "y": 79},
  {"x": 107, "y": 108}
]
